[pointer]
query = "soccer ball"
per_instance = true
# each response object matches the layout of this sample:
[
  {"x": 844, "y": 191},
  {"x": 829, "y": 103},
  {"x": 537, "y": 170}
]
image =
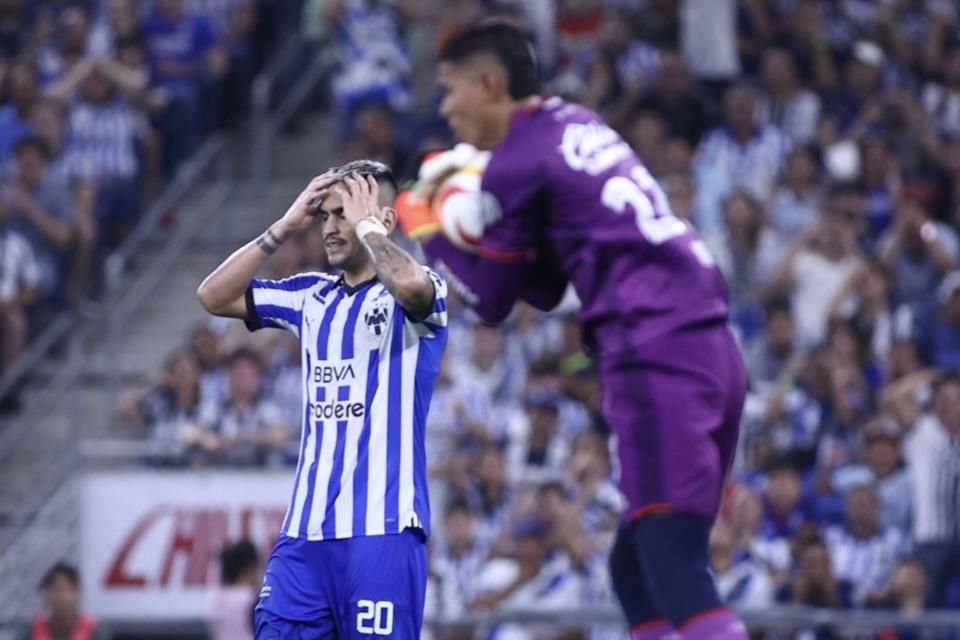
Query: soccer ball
[{"x": 457, "y": 204}]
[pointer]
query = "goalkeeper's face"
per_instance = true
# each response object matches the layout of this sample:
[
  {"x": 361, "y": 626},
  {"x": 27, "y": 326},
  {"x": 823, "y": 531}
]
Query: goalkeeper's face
[
  {"x": 344, "y": 250},
  {"x": 473, "y": 101}
]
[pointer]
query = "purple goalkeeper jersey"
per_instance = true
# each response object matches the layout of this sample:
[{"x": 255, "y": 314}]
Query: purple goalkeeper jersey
[{"x": 565, "y": 195}]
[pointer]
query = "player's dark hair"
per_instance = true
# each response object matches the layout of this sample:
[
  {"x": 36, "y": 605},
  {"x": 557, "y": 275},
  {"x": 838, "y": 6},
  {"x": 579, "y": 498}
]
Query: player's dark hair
[
  {"x": 380, "y": 172},
  {"x": 507, "y": 44},
  {"x": 237, "y": 559},
  {"x": 68, "y": 571}
]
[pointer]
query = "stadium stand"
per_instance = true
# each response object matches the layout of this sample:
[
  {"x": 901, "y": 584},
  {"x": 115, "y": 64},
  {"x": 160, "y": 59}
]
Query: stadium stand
[{"x": 814, "y": 144}]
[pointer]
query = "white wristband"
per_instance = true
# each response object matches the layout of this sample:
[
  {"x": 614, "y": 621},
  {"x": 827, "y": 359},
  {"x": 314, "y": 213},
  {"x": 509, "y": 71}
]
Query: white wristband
[{"x": 370, "y": 225}]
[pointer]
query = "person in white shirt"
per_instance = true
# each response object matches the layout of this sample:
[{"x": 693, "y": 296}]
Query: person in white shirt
[
  {"x": 785, "y": 102},
  {"x": 932, "y": 452},
  {"x": 532, "y": 578},
  {"x": 814, "y": 271},
  {"x": 744, "y": 583},
  {"x": 744, "y": 152},
  {"x": 19, "y": 279}
]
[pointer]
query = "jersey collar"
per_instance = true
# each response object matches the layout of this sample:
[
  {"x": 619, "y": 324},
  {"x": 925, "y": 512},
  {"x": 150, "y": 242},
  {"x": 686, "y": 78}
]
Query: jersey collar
[{"x": 352, "y": 289}]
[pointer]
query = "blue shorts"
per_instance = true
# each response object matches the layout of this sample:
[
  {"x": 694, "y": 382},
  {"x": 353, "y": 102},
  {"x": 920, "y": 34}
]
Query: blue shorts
[{"x": 366, "y": 587}]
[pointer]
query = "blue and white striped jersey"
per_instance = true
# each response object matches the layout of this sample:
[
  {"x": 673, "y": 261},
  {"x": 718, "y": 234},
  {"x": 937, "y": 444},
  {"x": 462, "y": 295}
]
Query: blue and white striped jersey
[{"x": 369, "y": 370}]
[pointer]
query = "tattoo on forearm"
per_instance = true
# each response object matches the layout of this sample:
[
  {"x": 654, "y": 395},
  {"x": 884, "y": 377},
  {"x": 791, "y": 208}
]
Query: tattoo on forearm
[
  {"x": 269, "y": 242},
  {"x": 266, "y": 246},
  {"x": 390, "y": 262}
]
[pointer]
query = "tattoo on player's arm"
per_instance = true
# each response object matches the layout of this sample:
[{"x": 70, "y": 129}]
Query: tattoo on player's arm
[{"x": 402, "y": 275}]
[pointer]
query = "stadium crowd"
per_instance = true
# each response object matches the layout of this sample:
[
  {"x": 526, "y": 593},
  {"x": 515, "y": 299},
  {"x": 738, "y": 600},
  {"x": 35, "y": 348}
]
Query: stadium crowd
[
  {"x": 815, "y": 145},
  {"x": 100, "y": 102}
]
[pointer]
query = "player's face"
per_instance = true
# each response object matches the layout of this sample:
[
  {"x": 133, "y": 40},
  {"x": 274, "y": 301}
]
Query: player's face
[
  {"x": 466, "y": 105},
  {"x": 340, "y": 241}
]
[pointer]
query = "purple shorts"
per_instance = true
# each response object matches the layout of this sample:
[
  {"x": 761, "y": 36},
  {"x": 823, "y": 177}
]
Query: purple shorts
[{"x": 675, "y": 410}]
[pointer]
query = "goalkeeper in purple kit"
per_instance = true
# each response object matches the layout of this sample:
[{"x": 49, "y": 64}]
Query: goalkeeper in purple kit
[{"x": 565, "y": 200}]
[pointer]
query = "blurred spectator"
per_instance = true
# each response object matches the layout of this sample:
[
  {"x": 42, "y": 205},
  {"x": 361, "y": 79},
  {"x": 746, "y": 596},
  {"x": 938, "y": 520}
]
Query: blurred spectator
[
  {"x": 796, "y": 202},
  {"x": 116, "y": 21},
  {"x": 746, "y": 522},
  {"x": 374, "y": 66},
  {"x": 230, "y": 612},
  {"x": 941, "y": 100},
  {"x": 931, "y": 451},
  {"x": 233, "y": 22},
  {"x": 457, "y": 557},
  {"x": 863, "y": 553},
  {"x": 814, "y": 584},
  {"x": 812, "y": 273},
  {"x": 187, "y": 60},
  {"x": 494, "y": 365},
  {"x": 675, "y": 99},
  {"x": 376, "y": 139},
  {"x": 857, "y": 107},
  {"x": 883, "y": 469},
  {"x": 784, "y": 515},
  {"x": 880, "y": 182},
  {"x": 23, "y": 92},
  {"x": 946, "y": 333},
  {"x": 708, "y": 37},
  {"x": 747, "y": 251},
  {"x": 169, "y": 408},
  {"x": 42, "y": 212},
  {"x": 63, "y": 621},
  {"x": 743, "y": 583},
  {"x": 785, "y": 103},
  {"x": 104, "y": 135},
  {"x": 918, "y": 251},
  {"x": 59, "y": 56},
  {"x": 489, "y": 493},
  {"x": 620, "y": 65},
  {"x": 246, "y": 427},
  {"x": 864, "y": 303},
  {"x": 206, "y": 349},
  {"x": 909, "y": 588},
  {"x": 538, "y": 452},
  {"x": 531, "y": 578},
  {"x": 19, "y": 280},
  {"x": 743, "y": 153},
  {"x": 49, "y": 123},
  {"x": 773, "y": 353}
]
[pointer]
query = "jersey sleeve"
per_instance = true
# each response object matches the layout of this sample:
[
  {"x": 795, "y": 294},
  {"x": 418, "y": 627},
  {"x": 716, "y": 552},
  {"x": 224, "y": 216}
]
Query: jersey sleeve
[
  {"x": 437, "y": 318},
  {"x": 511, "y": 202},
  {"x": 278, "y": 304}
]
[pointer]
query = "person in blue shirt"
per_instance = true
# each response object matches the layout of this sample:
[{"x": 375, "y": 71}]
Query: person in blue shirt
[{"x": 187, "y": 62}]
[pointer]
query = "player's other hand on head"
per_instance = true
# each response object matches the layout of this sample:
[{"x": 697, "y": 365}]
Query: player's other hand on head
[
  {"x": 360, "y": 196},
  {"x": 304, "y": 211}
]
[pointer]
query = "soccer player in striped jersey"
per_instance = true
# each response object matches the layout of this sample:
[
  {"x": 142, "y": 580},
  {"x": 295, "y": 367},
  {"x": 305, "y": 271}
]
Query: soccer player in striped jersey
[{"x": 350, "y": 561}]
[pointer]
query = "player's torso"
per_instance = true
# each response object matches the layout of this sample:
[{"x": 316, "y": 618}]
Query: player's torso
[
  {"x": 359, "y": 361},
  {"x": 636, "y": 267}
]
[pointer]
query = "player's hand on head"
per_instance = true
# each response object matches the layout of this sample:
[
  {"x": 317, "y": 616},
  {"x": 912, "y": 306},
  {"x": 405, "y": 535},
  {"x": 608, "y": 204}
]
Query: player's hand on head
[
  {"x": 304, "y": 211},
  {"x": 360, "y": 198}
]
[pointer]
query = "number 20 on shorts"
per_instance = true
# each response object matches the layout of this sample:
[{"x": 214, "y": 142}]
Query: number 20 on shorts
[{"x": 375, "y": 617}]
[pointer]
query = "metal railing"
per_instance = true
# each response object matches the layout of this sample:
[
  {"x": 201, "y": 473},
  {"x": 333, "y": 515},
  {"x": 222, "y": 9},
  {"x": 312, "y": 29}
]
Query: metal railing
[
  {"x": 778, "y": 618},
  {"x": 267, "y": 124},
  {"x": 931, "y": 624}
]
